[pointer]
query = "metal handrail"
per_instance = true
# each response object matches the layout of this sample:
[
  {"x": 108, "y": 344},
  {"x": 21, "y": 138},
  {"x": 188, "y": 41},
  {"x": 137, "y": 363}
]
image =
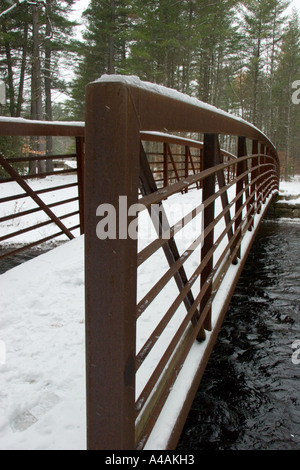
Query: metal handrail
[
  {"x": 122, "y": 111},
  {"x": 122, "y": 114},
  {"x": 27, "y": 127}
]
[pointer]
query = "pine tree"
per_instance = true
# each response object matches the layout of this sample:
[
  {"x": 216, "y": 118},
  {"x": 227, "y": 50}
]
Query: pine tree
[
  {"x": 278, "y": 23},
  {"x": 217, "y": 45},
  {"x": 33, "y": 37},
  {"x": 14, "y": 52},
  {"x": 162, "y": 40},
  {"x": 257, "y": 30},
  {"x": 287, "y": 114},
  {"x": 104, "y": 46}
]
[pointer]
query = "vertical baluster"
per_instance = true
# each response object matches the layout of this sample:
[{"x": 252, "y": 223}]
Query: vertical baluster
[
  {"x": 208, "y": 161},
  {"x": 80, "y": 176},
  {"x": 262, "y": 172},
  {"x": 242, "y": 151},
  {"x": 254, "y": 175},
  {"x": 186, "y": 164},
  {"x": 166, "y": 175}
]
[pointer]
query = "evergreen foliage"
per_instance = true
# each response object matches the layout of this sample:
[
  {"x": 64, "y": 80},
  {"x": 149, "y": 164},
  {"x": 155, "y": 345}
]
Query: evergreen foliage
[{"x": 241, "y": 56}]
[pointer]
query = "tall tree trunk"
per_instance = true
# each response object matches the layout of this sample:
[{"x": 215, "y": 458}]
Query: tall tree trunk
[
  {"x": 188, "y": 53},
  {"x": 22, "y": 71},
  {"x": 36, "y": 87},
  {"x": 111, "y": 41},
  {"x": 48, "y": 83},
  {"x": 255, "y": 81},
  {"x": 10, "y": 74}
]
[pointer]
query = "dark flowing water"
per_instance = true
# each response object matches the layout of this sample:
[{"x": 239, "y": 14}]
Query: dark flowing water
[
  {"x": 249, "y": 397},
  {"x": 15, "y": 260}
]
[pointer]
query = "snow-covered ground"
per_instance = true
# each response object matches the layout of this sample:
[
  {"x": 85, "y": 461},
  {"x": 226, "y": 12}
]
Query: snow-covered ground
[
  {"x": 290, "y": 191},
  {"x": 42, "y": 346}
]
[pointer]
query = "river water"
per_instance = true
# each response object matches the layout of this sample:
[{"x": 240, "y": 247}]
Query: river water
[
  {"x": 20, "y": 258},
  {"x": 249, "y": 397}
]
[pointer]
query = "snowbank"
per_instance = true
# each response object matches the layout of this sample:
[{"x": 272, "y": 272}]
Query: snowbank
[{"x": 290, "y": 191}]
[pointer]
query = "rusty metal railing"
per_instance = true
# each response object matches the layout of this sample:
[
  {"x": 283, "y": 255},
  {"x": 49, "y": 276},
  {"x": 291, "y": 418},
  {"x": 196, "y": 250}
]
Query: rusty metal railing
[
  {"x": 177, "y": 157},
  {"x": 45, "y": 201},
  {"x": 139, "y": 334},
  {"x": 174, "y": 159}
]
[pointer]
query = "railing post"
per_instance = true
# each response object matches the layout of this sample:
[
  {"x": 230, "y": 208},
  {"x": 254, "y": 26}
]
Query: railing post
[
  {"x": 269, "y": 167},
  {"x": 166, "y": 166},
  {"x": 209, "y": 153},
  {"x": 186, "y": 164},
  {"x": 254, "y": 175},
  {"x": 111, "y": 171},
  {"x": 262, "y": 171},
  {"x": 80, "y": 177},
  {"x": 201, "y": 166},
  {"x": 242, "y": 151}
]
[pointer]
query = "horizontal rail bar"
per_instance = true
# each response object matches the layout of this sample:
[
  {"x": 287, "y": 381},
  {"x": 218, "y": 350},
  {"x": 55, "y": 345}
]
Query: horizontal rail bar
[
  {"x": 34, "y": 196},
  {"x": 37, "y": 243},
  {"x": 40, "y": 191},
  {"x": 173, "y": 139},
  {"x": 40, "y": 175},
  {"x": 41, "y": 158},
  {"x": 35, "y": 227},
  {"x": 26, "y": 127},
  {"x": 159, "y": 111},
  {"x": 37, "y": 209}
]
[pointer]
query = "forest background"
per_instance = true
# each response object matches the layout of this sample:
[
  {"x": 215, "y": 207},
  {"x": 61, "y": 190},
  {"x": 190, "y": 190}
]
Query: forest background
[{"x": 241, "y": 56}]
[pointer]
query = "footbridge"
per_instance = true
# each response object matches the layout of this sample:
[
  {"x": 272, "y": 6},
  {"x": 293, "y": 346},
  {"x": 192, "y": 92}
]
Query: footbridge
[{"x": 168, "y": 217}]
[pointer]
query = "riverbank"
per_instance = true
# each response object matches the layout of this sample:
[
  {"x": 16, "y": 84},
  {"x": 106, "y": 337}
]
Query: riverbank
[{"x": 287, "y": 203}]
